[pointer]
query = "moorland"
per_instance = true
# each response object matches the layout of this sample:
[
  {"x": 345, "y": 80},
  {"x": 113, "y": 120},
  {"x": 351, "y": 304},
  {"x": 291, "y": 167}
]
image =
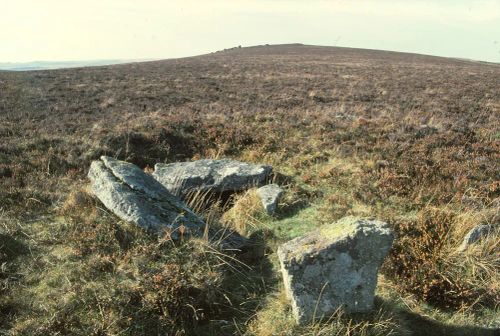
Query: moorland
[{"x": 410, "y": 139}]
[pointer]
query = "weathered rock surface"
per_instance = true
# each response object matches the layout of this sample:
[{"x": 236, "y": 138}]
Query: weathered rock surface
[
  {"x": 216, "y": 175},
  {"x": 136, "y": 197},
  {"x": 335, "y": 266},
  {"x": 270, "y": 195},
  {"x": 474, "y": 235}
]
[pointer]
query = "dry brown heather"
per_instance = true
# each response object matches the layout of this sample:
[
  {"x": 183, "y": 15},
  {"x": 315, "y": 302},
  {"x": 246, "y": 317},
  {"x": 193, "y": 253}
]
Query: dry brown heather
[{"x": 410, "y": 139}]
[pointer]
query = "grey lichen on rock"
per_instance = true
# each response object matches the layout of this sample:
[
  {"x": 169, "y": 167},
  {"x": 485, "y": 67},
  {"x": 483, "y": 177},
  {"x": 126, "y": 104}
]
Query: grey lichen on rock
[
  {"x": 136, "y": 197},
  {"x": 334, "y": 267},
  {"x": 180, "y": 178},
  {"x": 135, "y": 178},
  {"x": 270, "y": 195}
]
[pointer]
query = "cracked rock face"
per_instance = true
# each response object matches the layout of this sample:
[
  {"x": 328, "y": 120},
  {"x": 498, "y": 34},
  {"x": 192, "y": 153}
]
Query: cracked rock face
[
  {"x": 136, "y": 197},
  {"x": 270, "y": 195},
  {"x": 216, "y": 175},
  {"x": 334, "y": 267}
]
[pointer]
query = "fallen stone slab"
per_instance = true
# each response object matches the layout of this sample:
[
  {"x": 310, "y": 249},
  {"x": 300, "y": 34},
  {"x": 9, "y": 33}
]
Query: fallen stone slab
[
  {"x": 474, "y": 235},
  {"x": 180, "y": 178},
  {"x": 334, "y": 267},
  {"x": 270, "y": 195},
  {"x": 136, "y": 197}
]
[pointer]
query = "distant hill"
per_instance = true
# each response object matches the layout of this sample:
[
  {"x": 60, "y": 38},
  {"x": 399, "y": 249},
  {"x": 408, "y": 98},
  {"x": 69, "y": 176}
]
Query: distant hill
[
  {"x": 47, "y": 65},
  {"x": 335, "y": 53}
]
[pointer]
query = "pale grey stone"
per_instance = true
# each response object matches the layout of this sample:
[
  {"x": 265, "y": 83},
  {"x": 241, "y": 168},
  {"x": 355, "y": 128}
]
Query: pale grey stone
[
  {"x": 180, "y": 178},
  {"x": 334, "y": 267},
  {"x": 136, "y": 197},
  {"x": 270, "y": 195},
  {"x": 135, "y": 178},
  {"x": 474, "y": 235}
]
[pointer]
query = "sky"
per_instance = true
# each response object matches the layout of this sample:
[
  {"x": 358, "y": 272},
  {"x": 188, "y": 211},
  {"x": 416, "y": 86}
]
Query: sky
[{"x": 73, "y": 30}]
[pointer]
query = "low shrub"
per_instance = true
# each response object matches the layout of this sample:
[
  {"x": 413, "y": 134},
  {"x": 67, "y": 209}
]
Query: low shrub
[{"x": 422, "y": 262}]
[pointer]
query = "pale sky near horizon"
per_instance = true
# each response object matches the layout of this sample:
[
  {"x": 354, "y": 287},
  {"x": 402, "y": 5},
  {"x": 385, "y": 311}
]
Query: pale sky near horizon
[{"x": 71, "y": 30}]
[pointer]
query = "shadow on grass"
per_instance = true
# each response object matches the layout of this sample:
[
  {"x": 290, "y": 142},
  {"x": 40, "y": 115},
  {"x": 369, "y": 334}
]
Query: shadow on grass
[
  {"x": 292, "y": 209},
  {"x": 10, "y": 248},
  {"x": 246, "y": 290},
  {"x": 424, "y": 326}
]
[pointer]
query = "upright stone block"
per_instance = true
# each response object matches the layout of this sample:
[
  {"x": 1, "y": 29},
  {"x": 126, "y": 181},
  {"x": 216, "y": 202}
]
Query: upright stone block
[{"x": 335, "y": 266}]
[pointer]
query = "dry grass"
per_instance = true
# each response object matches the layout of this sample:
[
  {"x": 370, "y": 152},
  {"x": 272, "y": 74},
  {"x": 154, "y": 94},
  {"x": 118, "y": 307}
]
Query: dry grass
[
  {"x": 276, "y": 319},
  {"x": 247, "y": 213},
  {"x": 100, "y": 276}
]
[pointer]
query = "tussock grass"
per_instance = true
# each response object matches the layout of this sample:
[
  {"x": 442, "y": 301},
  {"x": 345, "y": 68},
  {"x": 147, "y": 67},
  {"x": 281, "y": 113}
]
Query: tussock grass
[
  {"x": 247, "y": 214},
  {"x": 101, "y": 276}
]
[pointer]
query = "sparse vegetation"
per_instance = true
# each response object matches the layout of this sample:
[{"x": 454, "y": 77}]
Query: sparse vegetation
[{"x": 412, "y": 140}]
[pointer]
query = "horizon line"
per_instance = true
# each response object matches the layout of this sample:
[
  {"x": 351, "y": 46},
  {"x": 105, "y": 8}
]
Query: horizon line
[{"x": 112, "y": 61}]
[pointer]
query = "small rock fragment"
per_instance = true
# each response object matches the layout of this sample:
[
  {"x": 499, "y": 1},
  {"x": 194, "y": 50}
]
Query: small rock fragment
[
  {"x": 425, "y": 130},
  {"x": 381, "y": 164},
  {"x": 270, "y": 195},
  {"x": 474, "y": 235},
  {"x": 335, "y": 266}
]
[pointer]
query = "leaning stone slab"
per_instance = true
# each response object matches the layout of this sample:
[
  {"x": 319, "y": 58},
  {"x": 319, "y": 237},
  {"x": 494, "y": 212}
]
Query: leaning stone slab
[
  {"x": 334, "y": 267},
  {"x": 180, "y": 178},
  {"x": 270, "y": 195},
  {"x": 136, "y": 197},
  {"x": 474, "y": 235}
]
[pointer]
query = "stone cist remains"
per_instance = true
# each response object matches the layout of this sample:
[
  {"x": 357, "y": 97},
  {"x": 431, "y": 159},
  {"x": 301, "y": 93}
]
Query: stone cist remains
[
  {"x": 136, "y": 197},
  {"x": 334, "y": 267}
]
